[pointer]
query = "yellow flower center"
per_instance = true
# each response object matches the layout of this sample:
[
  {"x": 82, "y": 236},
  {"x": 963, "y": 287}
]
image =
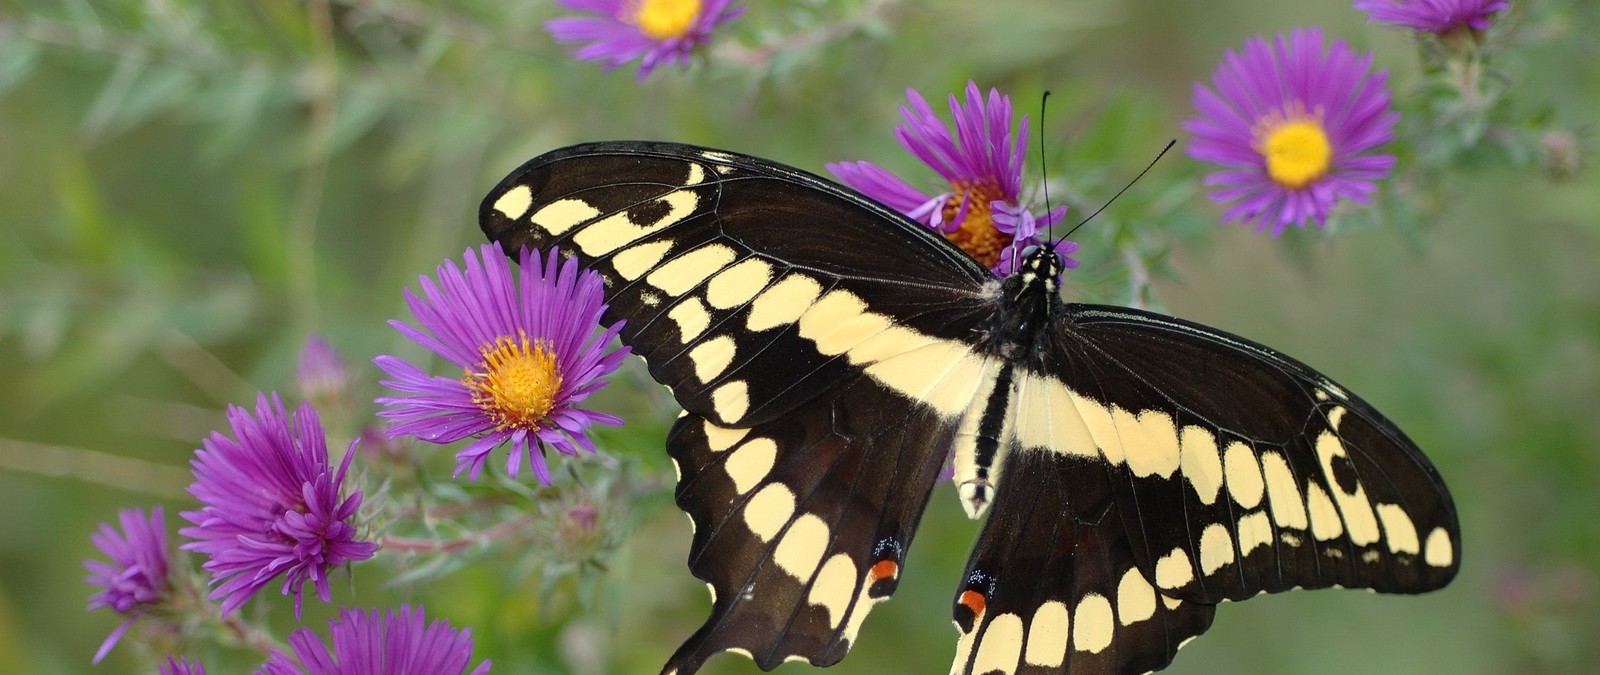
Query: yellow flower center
[
  {"x": 977, "y": 234},
  {"x": 665, "y": 19},
  {"x": 1295, "y": 146},
  {"x": 518, "y": 382}
]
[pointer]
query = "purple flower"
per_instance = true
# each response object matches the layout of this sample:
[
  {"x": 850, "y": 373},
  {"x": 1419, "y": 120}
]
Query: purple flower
[
  {"x": 528, "y": 353},
  {"x": 320, "y": 372},
  {"x": 178, "y": 666},
  {"x": 657, "y": 32},
  {"x": 1293, "y": 128},
  {"x": 137, "y": 578},
  {"x": 982, "y": 212},
  {"x": 271, "y": 505},
  {"x": 369, "y": 643},
  {"x": 1432, "y": 16}
]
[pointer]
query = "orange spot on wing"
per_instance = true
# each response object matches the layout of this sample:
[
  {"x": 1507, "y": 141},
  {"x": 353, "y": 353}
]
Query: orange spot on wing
[
  {"x": 974, "y": 601},
  {"x": 885, "y": 569}
]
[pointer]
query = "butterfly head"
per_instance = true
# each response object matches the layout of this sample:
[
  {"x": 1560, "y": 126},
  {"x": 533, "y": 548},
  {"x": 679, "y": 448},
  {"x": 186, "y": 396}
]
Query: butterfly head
[
  {"x": 1041, "y": 261},
  {"x": 1037, "y": 277}
]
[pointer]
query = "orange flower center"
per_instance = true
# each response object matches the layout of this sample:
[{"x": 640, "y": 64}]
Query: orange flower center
[
  {"x": 977, "y": 234},
  {"x": 1295, "y": 146},
  {"x": 517, "y": 383},
  {"x": 665, "y": 19}
]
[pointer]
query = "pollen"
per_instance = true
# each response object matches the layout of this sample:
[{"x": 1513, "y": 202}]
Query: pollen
[
  {"x": 665, "y": 19},
  {"x": 977, "y": 234},
  {"x": 517, "y": 382},
  {"x": 1295, "y": 146}
]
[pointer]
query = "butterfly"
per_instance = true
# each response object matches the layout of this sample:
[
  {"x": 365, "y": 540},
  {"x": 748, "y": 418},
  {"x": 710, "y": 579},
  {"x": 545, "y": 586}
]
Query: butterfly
[{"x": 830, "y": 355}]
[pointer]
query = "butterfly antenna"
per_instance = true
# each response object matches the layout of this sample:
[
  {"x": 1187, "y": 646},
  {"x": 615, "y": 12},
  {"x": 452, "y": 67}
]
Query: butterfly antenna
[
  {"x": 1114, "y": 197},
  {"x": 1044, "y": 170}
]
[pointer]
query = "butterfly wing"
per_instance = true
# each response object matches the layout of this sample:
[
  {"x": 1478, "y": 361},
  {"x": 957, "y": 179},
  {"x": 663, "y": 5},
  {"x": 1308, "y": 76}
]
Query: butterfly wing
[
  {"x": 743, "y": 282},
  {"x": 1237, "y": 470},
  {"x": 802, "y": 523},
  {"x": 819, "y": 404},
  {"x": 1157, "y": 467},
  {"x": 1052, "y": 585}
]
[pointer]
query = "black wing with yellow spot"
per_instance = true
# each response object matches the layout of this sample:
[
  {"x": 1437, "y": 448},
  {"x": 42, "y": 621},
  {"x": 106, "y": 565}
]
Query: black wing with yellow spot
[
  {"x": 802, "y": 523},
  {"x": 830, "y": 354},
  {"x": 1052, "y": 585},
  {"x": 803, "y": 468},
  {"x": 1238, "y": 470}
]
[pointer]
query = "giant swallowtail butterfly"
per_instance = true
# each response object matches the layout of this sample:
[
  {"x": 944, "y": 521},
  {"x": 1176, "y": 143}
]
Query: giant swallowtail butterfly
[{"x": 829, "y": 354}]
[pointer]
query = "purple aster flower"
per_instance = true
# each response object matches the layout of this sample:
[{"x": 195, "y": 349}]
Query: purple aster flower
[
  {"x": 178, "y": 666},
  {"x": 1293, "y": 127},
  {"x": 528, "y": 353},
  {"x": 369, "y": 643},
  {"x": 320, "y": 372},
  {"x": 657, "y": 32},
  {"x": 982, "y": 212},
  {"x": 271, "y": 505},
  {"x": 137, "y": 578},
  {"x": 1432, "y": 16}
]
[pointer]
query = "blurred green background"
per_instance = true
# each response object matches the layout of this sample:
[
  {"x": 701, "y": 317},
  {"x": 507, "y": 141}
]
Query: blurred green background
[{"x": 189, "y": 189}]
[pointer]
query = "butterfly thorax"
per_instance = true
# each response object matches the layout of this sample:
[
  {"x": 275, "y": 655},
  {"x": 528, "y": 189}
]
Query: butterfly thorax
[
  {"x": 1028, "y": 302},
  {"x": 1017, "y": 335}
]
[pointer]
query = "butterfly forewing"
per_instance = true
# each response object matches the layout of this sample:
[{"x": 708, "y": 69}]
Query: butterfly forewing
[
  {"x": 745, "y": 285},
  {"x": 829, "y": 355},
  {"x": 1238, "y": 470}
]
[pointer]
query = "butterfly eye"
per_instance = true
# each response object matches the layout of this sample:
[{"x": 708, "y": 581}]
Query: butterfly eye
[{"x": 1030, "y": 250}]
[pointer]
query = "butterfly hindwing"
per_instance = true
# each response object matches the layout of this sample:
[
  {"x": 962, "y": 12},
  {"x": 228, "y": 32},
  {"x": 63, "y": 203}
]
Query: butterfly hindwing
[
  {"x": 802, "y": 523},
  {"x": 1238, "y": 470},
  {"x": 1053, "y": 588}
]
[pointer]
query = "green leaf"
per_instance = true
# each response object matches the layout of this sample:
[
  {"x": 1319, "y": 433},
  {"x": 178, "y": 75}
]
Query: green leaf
[{"x": 18, "y": 59}]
